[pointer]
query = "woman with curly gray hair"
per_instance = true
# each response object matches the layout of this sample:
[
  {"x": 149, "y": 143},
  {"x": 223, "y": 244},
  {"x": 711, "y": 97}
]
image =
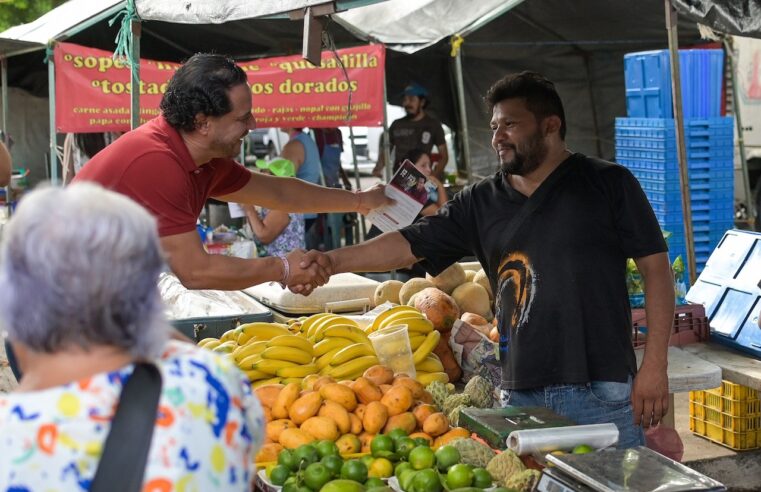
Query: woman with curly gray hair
[{"x": 80, "y": 306}]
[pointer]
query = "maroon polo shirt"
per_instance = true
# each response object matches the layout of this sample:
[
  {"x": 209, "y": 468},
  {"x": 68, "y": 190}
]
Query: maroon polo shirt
[{"x": 152, "y": 165}]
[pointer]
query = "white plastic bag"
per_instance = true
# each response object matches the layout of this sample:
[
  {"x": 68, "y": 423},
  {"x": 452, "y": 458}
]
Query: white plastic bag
[{"x": 474, "y": 352}]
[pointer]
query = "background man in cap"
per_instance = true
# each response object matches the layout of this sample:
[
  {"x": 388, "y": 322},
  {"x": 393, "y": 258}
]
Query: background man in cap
[{"x": 416, "y": 130}]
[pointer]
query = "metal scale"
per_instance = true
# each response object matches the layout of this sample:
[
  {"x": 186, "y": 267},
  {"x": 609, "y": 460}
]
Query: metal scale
[{"x": 639, "y": 469}]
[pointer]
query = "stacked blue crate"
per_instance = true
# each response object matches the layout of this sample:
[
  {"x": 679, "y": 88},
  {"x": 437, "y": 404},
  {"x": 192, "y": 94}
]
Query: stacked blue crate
[
  {"x": 648, "y": 83},
  {"x": 647, "y": 146}
]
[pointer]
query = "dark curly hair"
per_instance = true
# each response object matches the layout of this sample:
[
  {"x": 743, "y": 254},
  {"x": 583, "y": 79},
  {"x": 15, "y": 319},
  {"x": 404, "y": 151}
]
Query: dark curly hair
[
  {"x": 539, "y": 93},
  {"x": 200, "y": 85}
]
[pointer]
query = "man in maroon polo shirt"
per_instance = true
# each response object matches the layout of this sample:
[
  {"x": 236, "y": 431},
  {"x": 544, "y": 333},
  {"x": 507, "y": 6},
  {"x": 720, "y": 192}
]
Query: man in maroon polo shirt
[{"x": 174, "y": 163}]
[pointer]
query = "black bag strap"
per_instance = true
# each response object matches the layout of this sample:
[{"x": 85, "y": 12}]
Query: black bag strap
[
  {"x": 536, "y": 199},
  {"x": 125, "y": 452}
]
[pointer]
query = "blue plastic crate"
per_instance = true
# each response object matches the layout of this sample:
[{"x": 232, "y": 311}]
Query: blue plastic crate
[
  {"x": 670, "y": 154},
  {"x": 647, "y": 78}
]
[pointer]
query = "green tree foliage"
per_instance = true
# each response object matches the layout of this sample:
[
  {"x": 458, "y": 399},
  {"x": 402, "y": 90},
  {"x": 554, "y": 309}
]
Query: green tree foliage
[{"x": 14, "y": 12}]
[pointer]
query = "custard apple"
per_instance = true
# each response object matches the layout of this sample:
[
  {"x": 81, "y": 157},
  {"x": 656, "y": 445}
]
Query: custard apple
[
  {"x": 504, "y": 465},
  {"x": 523, "y": 481},
  {"x": 473, "y": 452},
  {"x": 454, "y": 415},
  {"x": 481, "y": 392},
  {"x": 439, "y": 392},
  {"x": 453, "y": 401}
]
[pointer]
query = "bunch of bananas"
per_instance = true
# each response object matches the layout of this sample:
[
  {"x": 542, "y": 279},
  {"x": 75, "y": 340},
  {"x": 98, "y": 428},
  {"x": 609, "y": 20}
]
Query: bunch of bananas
[
  {"x": 341, "y": 348},
  {"x": 423, "y": 340}
]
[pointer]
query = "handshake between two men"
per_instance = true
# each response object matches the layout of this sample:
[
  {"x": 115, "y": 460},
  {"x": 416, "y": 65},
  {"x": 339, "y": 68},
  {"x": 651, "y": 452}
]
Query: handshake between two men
[{"x": 308, "y": 270}]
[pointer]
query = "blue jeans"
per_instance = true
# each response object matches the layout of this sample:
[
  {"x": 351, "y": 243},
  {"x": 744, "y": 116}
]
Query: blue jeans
[{"x": 598, "y": 402}]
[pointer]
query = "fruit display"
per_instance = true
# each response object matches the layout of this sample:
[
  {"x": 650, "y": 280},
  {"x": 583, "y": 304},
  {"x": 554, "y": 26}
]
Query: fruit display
[
  {"x": 325, "y": 344},
  {"x": 396, "y": 460},
  {"x": 350, "y": 413}
]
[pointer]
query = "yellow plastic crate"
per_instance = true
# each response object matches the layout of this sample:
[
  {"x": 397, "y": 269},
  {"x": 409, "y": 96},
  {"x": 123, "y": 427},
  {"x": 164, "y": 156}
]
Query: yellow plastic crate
[
  {"x": 733, "y": 440},
  {"x": 741, "y": 408},
  {"x": 697, "y": 396},
  {"x": 737, "y": 391}
]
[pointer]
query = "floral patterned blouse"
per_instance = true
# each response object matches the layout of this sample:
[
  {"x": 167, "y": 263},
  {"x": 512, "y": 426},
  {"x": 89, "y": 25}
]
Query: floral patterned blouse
[
  {"x": 208, "y": 428},
  {"x": 291, "y": 238}
]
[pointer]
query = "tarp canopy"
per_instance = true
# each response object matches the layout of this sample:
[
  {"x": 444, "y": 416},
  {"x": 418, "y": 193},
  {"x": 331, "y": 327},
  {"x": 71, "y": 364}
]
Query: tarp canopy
[
  {"x": 740, "y": 17},
  {"x": 579, "y": 45}
]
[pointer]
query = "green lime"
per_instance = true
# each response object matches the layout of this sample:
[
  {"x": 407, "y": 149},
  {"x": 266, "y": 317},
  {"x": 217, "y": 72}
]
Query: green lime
[
  {"x": 343, "y": 486},
  {"x": 396, "y": 434},
  {"x": 367, "y": 460},
  {"x": 385, "y": 488},
  {"x": 279, "y": 474},
  {"x": 292, "y": 485},
  {"x": 333, "y": 464},
  {"x": 400, "y": 467},
  {"x": 426, "y": 481},
  {"x": 316, "y": 475},
  {"x": 326, "y": 448},
  {"x": 481, "y": 478},
  {"x": 447, "y": 456},
  {"x": 374, "y": 482},
  {"x": 405, "y": 479},
  {"x": 354, "y": 470},
  {"x": 421, "y": 458},
  {"x": 305, "y": 455},
  {"x": 288, "y": 459},
  {"x": 381, "y": 445},
  {"x": 422, "y": 441},
  {"x": 583, "y": 449},
  {"x": 459, "y": 475},
  {"x": 403, "y": 446}
]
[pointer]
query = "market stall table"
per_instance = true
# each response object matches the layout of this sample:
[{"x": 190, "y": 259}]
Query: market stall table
[
  {"x": 686, "y": 372},
  {"x": 735, "y": 366}
]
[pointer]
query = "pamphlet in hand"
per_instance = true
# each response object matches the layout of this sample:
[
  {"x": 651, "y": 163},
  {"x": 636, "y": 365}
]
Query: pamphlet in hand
[{"x": 408, "y": 188}]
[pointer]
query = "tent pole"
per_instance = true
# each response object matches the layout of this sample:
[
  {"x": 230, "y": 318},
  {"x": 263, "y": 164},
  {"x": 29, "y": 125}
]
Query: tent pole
[
  {"x": 51, "y": 109},
  {"x": 4, "y": 82},
  {"x": 464, "y": 136},
  {"x": 387, "y": 145},
  {"x": 362, "y": 224},
  {"x": 740, "y": 132},
  {"x": 135, "y": 74},
  {"x": 684, "y": 180}
]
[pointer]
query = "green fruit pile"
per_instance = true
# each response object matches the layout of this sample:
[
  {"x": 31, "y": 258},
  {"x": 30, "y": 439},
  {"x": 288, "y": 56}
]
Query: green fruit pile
[{"x": 318, "y": 467}]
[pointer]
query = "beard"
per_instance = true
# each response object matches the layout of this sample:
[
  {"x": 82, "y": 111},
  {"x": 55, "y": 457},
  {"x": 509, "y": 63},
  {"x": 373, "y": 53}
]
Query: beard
[
  {"x": 527, "y": 156},
  {"x": 229, "y": 149}
]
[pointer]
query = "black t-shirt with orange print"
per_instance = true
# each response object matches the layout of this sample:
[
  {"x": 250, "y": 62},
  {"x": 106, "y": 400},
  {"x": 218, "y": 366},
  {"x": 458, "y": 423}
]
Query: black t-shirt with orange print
[{"x": 560, "y": 281}]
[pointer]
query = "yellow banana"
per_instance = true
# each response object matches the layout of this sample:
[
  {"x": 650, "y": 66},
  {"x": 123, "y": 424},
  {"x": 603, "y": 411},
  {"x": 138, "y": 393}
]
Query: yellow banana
[
  {"x": 416, "y": 341},
  {"x": 310, "y": 321},
  {"x": 351, "y": 352},
  {"x": 385, "y": 314},
  {"x": 229, "y": 335},
  {"x": 292, "y": 341},
  {"x": 416, "y": 325},
  {"x": 249, "y": 362},
  {"x": 271, "y": 366},
  {"x": 251, "y": 348},
  {"x": 430, "y": 364},
  {"x": 430, "y": 342},
  {"x": 264, "y": 382},
  {"x": 426, "y": 378},
  {"x": 396, "y": 318},
  {"x": 347, "y": 331},
  {"x": 209, "y": 343},
  {"x": 297, "y": 372},
  {"x": 291, "y": 380},
  {"x": 254, "y": 375},
  {"x": 324, "y": 360},
  {"x": 290, "y": 354},
  {"x": 327, "y": 344},
  {"x": 319, "y": 332},
  {"x": 311, "y": 334},
  {"x": 357, "y": 365},
  {"x": 226, "y": 347},
  {"x": 264, "y": 331},
  {"x": 244, "y": 338}
]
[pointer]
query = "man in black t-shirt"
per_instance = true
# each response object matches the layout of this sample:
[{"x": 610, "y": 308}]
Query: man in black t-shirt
[
  {"x": 553, "y": 230},
  {"x": 416, "y": 130}
]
